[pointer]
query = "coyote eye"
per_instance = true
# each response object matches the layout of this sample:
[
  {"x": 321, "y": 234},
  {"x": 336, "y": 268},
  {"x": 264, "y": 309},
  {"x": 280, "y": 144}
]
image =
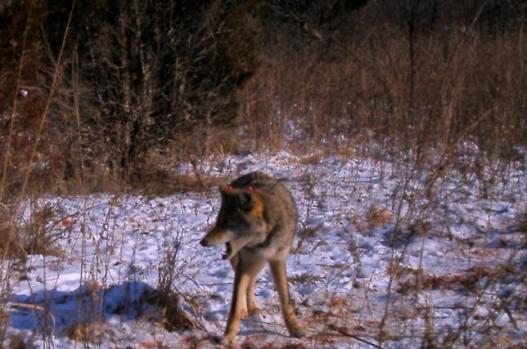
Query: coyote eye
[
  {"x": 237, "y": 220},
  {"x": 221, "y": 220}
]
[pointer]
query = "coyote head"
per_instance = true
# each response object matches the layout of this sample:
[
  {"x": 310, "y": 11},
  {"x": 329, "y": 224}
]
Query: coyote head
[{"x": 240, "y": 221}]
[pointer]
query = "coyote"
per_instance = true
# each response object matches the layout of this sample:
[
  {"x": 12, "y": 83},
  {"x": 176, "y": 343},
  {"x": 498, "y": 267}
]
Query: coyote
[{"x": 257, "y": 222}]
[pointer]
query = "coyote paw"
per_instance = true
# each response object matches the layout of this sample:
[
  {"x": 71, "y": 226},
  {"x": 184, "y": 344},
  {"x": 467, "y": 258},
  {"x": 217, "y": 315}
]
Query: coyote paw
[
  {"x": 228, "y": 339},
  {"x": 254, "y": 310},
  {"x": 297, "y": 332},
  {"x": 243, "y": 313}
]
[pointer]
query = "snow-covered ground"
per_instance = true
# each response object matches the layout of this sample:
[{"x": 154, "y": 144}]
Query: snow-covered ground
[{"x": 385, "y": 257}]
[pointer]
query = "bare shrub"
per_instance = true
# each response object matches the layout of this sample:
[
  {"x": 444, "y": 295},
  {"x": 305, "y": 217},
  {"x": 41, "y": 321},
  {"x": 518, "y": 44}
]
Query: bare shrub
[
  {"x": 378, "y": 216},
  {"x": 39, "y": 235},
  {"x": 162, "y": 88},
  {"x": 166, "y": 296},
  {"x": 173, "y": 318},
  {"x": 17, "y": 341},
  {"x": 92, "y": 332}
]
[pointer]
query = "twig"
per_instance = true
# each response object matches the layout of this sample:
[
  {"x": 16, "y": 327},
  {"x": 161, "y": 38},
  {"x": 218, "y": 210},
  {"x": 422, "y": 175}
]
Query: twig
[
  {"x": 345, "y": 333},
  {"x": 509, "y": 314},
  {"x": 194, "y": 163},
  {"x": 35, "y": 308},
  {"x": 49, "y": 100}
]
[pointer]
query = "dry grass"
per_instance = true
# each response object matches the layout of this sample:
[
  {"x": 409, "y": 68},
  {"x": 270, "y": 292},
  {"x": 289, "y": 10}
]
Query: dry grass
[
  {"x": 39, "y": 235},
  {"x": 36, "y": 236},
  {"x": 465, "y": 88},
  {"x": 162, "y": 183},
  {"x": 521, "y": 223},
  {"x": 378, "y": 216},
  {"x": 173, "y": 318},
  {"x": 17, "y": 341},
  {"x": 88, "y": 332},
  {"x": 412, "y": 280}
]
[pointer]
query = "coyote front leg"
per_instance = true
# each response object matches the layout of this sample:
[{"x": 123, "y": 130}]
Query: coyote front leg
[
  {"x": 252, "y": 306},
  {"x": 238, "y": 304},
  {"x": 294, "y": 326},
  {"x": 243, "y": 300}
]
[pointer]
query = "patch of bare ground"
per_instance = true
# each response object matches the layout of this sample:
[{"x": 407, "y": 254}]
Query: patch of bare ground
[{"x": 470, "y": 280}]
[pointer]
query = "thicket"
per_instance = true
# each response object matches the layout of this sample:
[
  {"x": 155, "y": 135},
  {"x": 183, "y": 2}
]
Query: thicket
[
  {"x": 131, "y": 76},
  {"x": 114, "y": 89}
]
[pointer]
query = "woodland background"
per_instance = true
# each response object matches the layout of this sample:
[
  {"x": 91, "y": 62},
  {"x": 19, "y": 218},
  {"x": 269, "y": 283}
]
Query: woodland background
[{"x": 107, "y": 94}]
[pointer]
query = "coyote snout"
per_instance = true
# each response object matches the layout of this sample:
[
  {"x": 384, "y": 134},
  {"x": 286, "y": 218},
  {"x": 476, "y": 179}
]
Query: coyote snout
[
  {"x": 257, "y": 223},
  {"x": 215, "y": 237}
]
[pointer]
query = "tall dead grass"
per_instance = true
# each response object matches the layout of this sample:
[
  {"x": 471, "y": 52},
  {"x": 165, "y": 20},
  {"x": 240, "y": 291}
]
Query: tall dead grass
[{"x": 458, "y": 86}]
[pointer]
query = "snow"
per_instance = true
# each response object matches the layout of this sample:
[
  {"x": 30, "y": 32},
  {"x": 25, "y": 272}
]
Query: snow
[{"x": 354, "y": 265}]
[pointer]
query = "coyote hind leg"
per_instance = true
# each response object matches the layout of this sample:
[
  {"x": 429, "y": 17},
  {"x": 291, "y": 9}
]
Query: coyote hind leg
[{"x": 294, "y": 326}]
